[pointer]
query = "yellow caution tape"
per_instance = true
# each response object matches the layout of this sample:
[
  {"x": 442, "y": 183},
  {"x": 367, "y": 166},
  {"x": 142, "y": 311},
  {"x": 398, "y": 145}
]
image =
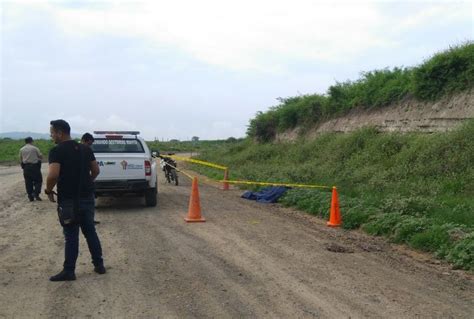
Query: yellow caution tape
[
  {"x": 186, "y": 174},
  {"x": 179, "y": 170},
  {"x": 186, "y": 159},
  {"x": 275, "y": 184}
]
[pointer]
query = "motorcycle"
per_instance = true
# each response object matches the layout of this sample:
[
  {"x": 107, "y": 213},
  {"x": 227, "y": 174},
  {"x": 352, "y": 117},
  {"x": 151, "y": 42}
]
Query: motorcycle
[{"x": 169, "y": 165}]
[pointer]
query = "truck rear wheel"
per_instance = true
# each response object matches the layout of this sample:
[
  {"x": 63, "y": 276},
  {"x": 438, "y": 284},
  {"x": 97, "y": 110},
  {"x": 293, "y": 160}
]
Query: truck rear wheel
[{"x": 151, "y": 197}]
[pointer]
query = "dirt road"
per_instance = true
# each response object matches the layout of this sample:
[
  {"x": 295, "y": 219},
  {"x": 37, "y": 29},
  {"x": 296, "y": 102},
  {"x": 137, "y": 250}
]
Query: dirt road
[{"x": 247, "y": 260}]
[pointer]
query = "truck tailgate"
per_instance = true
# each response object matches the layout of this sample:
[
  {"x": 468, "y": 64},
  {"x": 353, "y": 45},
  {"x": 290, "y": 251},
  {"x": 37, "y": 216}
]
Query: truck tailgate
[{"x": 120, "y": 166}]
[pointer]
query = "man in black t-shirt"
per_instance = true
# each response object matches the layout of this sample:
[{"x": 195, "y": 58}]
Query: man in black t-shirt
[{"x": 67, "y": 160}]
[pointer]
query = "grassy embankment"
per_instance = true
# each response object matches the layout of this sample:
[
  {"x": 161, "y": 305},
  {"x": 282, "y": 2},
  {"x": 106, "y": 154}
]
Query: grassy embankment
[
  {"x": 413, "y": 188},
  {"x": 445, "y": 73}
]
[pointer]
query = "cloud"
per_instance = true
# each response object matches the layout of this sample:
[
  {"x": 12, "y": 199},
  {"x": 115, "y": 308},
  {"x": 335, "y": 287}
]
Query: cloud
[
  {"x": 247, "y": 35},
  {"x": 445, "y": 14},
  {"x": 244, "y": 35},
  {"x": 218, "y": 127},
  {"x": 111, "y": 122},
  {"x": 174, "y": 69}
]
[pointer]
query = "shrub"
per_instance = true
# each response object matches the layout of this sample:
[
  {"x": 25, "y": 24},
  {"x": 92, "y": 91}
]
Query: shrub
[
  {"x": 355, "y": 217},
  {"x": 412, "y": 205},
  {"x": 445, "y": 73},
  {"x": 382, "y": 224},
  {"x": 409, "y": 227},
  {"x": 462, "y": 254},
  {"x": 431, "y": 239}
]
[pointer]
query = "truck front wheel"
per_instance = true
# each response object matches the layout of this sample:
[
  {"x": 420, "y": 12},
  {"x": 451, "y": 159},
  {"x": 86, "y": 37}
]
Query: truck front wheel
[{"x": 151, "y": 197}]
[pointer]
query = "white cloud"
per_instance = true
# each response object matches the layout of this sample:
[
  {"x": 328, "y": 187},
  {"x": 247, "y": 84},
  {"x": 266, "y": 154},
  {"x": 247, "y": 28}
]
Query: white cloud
[
  {"x": 114, "y": 122},
  {"x": 80, "y": 124},
  {"x": 225, "y": 126},
  {"x": 440, "y": 13},
  {"x": 308, "y": 44},
  {"x": 249, "y": 35}
]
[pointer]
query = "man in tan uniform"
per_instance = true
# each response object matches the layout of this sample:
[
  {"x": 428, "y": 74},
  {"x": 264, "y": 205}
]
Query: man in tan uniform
[{"x": 30, "y": 159}]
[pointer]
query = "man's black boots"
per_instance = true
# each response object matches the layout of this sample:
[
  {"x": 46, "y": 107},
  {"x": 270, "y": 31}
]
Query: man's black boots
[
  {"x": 63, "y": 276},
  {"x": 100, "y": 269}
]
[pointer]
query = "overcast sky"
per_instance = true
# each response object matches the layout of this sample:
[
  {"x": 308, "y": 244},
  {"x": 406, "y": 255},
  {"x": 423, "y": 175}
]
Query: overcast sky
[{"x": 177, "y": 69}]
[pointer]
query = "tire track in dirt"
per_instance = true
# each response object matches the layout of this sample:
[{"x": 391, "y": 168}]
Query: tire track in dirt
[
  {"x": 247, "y": 260},
  {"x": 339, "y": 274}
]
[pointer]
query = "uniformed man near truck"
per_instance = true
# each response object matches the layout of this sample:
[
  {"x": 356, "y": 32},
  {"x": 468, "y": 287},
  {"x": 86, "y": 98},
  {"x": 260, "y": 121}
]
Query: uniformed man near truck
[{"x": 30, "y": 160}]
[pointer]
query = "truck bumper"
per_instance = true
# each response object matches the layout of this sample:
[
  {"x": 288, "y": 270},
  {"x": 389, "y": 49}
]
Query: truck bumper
[{"x": 120, "y": 186}]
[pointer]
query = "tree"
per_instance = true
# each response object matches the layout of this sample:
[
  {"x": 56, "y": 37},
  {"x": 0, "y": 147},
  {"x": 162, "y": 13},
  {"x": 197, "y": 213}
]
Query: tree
[{"x": 195, "y": 138}]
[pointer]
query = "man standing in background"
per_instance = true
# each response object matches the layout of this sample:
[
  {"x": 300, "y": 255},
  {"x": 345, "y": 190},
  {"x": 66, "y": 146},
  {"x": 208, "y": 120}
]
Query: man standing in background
[
  {"x": 87, "y": 139},
  {"x": 30, "y": 160}
]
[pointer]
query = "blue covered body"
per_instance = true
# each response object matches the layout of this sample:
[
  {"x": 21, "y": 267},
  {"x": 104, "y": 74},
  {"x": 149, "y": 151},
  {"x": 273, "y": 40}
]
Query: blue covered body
[{"x": 266, "y": 195}]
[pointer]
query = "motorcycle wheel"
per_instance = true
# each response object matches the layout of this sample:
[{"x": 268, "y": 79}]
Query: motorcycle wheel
[{"x": 175, "y": 177}]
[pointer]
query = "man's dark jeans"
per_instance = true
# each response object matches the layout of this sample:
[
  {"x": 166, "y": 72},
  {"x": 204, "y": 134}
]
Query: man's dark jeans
[
  {"x": 33, "y": 179},
  {"x": 71, "y": 235}
]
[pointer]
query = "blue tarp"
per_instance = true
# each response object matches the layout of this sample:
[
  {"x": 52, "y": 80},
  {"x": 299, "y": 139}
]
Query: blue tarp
[{"x": 267, "y": 194}]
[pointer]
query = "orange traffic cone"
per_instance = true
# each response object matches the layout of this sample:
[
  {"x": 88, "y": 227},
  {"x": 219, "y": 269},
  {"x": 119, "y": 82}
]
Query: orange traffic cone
[
  {"x": 335, "y": 214},
  {"x": 194, "y": 212},
  {"x": 226, "y": 178}
]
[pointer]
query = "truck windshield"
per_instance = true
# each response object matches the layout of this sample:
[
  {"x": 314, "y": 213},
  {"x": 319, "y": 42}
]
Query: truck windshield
[{"x": 103, "y": 145}]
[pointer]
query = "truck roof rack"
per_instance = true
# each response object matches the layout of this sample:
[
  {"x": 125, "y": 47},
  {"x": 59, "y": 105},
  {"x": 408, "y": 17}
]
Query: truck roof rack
[{"x": 118, "y": 132}]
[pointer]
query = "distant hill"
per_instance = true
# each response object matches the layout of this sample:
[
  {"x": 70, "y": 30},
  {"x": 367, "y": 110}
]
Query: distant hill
[{"x": 35, "y": 136}]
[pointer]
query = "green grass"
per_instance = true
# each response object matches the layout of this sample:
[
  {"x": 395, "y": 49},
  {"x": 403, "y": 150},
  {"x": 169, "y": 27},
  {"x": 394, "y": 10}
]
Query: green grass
[
  {"x": 190, "y": 146},
  {"x": 413, "y": 188},
  {"x": 444, "y": 73},
  {"x": 9, "y": 149}
]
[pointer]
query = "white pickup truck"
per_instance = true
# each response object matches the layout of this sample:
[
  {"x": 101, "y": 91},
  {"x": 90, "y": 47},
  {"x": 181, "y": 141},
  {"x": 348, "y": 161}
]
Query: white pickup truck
[{"x": 126, "y": 165}]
